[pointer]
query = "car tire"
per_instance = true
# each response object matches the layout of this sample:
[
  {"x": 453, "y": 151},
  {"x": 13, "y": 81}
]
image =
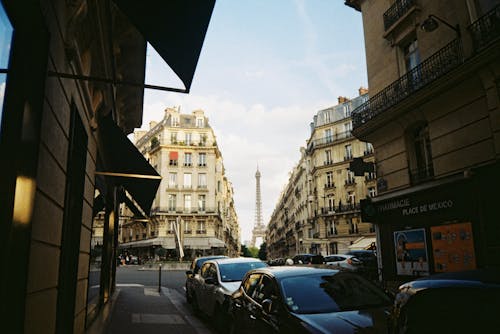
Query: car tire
[
  {"x": 194, "y": 305},
  {"x": 188, "y": 298}
]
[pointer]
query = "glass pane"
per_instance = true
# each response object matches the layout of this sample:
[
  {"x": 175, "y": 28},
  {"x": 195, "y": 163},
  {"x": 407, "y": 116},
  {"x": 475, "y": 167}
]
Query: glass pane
[{"x": 5, "y": 41}]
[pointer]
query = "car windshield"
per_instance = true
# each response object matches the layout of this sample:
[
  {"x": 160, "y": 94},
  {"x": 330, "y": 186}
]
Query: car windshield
[
  {"x": 333, "y": 293},
  {"x": 233, "y": 272}
]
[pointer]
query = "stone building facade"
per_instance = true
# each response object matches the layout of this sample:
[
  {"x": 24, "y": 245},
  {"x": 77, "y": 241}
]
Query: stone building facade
[
  {"x": 433, "y": 118},
  {"x": 318, "y": 211},
  {"x": 194, "y": 192}
]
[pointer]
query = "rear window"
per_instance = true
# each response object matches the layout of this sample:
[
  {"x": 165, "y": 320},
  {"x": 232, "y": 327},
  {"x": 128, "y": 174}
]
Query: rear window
[{"x": 233, "y": 272}]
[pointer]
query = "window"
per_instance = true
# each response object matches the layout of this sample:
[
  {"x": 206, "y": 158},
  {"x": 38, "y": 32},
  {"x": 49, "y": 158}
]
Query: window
[
  {"x": 326, "y": 117},
  {"x": 328, "y": 157},
  {"x": 200, "y": 122},
  {"x": 411, "y": 55},
  {"x": 251, "y": 283},
  {"x": 6, "y": 31},
  {"x": 202, "y": 159},
  {"x": 328, "y": 135},
  {"x": 187, "y": 227},
  {"x": 350, "y": 177},
  {"x": 331, "y": 203},
  {"x": 351, "y": 198},
  {"x": 174, "y": 121},
  {"x": 202, "y": 180},
  {"x": 201, "y": 227},
  {"x": 172, "y": 202},
  {"x": 372, "y": 192},
  {"x": 201, "y": 202},
  {"x": 188, "y": 159},
  {"x": 347, "y": 110},
  {"x": 187, "y": 180},
  {"x": 368, "y": 148},
  {"x": 348, "y": 127},
  {"x": 173, "y": 157},
  {"x": 329, "y": 180},
  {"x": 188, "y": 138},
  {"x": 173, "y": 138},
  {"x": 348, "y": 152},
  {"x": 187, "y": 203},
  {"x": 172, "y": 180},
  {"x": 420, "y": 155}
]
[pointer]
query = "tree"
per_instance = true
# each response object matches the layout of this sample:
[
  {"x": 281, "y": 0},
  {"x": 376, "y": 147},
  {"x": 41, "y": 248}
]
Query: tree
[
  {"x": 245, "y": 252},
  {"x": 263, "y": 252}
]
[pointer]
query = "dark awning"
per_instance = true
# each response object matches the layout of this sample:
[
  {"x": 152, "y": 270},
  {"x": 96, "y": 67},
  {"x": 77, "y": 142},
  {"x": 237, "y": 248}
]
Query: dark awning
[
  {"x": 175, "y": 28},
  {"x": 123, "y": 162}
]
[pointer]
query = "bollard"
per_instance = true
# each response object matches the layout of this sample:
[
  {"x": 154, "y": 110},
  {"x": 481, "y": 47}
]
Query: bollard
[{"x": 159, "y": 279}]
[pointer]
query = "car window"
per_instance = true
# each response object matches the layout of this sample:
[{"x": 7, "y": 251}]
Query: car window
[
  {"x": 250, "y": 283},
  {"x": 206, "y": 270},
  {"x": 233, "y": 272},
  {"x": 331, "y": 293},
  {"x": 266, "y": 289}
]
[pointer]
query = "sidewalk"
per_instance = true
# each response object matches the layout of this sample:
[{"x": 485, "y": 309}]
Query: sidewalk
[{"x": 140, "y": 309}]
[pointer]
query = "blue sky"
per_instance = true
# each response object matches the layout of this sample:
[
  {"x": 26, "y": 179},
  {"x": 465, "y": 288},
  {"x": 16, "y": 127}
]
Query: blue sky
[{"x": 266, "y": 68}]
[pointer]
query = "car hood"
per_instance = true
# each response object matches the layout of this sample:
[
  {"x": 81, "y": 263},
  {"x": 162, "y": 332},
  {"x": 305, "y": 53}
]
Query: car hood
[
  {"x": 360, "y": 322},
  {"x": 230, "y": 287}
]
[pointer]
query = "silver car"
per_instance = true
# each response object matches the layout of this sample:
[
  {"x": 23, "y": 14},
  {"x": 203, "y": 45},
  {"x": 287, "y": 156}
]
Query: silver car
[{"x": 218, "y": 279}]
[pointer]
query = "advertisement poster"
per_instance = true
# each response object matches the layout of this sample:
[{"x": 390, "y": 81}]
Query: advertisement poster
[
  {"x": 453, "y": 247},
  {"x": 411, "y": 252}
]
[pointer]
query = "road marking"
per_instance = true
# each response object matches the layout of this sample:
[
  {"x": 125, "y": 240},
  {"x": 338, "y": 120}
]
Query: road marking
[
  {"x": 165, "y": 319},
  {"x": 178, "y": 300}
]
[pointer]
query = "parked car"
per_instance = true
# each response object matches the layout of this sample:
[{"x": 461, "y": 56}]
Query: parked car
[
  {"x": 217, "y": 280},
  {"x": 194, "y": 270},
  {"x": 368, "y": 262},
  {"x": 303, "y": 299},
  {"x": 343, "y": 261},
  {"x": 459, "y": 302},
  {"x": 308, "y": 259}
]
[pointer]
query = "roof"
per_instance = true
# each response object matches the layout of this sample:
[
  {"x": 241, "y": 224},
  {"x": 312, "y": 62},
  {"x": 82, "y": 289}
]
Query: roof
[
  {"x": 291, "y": 271},
  {"x": 236, "y": 260}
]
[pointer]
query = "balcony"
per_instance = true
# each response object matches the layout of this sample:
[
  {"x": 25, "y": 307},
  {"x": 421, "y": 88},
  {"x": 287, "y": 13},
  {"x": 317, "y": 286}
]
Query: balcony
[
  {"x": 329, "y": 140},
  {"x": 434, "y": 67},
  {"x": 350, "y": 182},
  {"x": 329, "y": 185},
  {"x": 397, "y": 11},
  {"x": 486, "y": 29}
]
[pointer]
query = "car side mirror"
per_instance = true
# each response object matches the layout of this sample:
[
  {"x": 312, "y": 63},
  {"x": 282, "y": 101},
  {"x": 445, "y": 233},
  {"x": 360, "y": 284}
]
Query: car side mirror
[
  {"x": 211, "y": 280},
  {"x": 267, "y": 306}
]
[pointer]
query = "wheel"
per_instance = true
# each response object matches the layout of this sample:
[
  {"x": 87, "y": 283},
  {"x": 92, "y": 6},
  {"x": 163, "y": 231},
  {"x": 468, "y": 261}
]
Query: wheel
[
  {"x": 194, "y": 304},
  {"x": 188, "y": 297}
]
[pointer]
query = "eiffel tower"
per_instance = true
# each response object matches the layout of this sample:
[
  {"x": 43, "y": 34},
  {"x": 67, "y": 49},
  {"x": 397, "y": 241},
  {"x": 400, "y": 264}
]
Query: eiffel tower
[{"x": 259, "y": 230}]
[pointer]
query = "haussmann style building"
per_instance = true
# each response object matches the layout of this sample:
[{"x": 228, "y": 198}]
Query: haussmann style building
[
  {"x": 318, "y": 211},
  {"x": 194, "y": 207},
  {"x": 433, "y": 118}
]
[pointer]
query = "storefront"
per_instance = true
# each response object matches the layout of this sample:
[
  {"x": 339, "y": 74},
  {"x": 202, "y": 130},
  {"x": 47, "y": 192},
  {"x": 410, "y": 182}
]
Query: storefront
[{"x": 437, "y": 227}]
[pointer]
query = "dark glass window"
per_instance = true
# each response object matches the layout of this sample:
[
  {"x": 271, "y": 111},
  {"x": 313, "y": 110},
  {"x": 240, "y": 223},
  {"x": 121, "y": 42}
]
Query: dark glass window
[{"x": 6, "y": 30}]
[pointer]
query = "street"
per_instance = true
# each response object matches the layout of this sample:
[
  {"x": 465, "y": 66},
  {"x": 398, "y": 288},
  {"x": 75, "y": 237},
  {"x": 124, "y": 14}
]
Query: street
[{"x": 141, "y": 308}]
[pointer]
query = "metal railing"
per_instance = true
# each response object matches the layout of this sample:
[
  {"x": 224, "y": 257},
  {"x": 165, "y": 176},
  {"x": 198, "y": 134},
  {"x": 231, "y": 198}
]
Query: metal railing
[
  {"x": 486, "y": 29},
  {"x": 396, "y": 11},
  {"x": 421, "y": 174},
  {"x": 329, "y": 140},
  {"x": 440, "y": 63}
]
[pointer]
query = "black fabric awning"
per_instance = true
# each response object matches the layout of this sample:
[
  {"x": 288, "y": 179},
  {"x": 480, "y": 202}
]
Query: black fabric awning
[
  {"x": 175, "y": 28},
  {"x": 127, "y": 167}
]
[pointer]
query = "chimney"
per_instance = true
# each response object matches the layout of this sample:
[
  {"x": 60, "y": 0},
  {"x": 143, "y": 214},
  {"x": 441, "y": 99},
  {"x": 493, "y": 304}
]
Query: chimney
[
  {"x": 342, "y": 99},
  {"x": 363, "y": 90}
]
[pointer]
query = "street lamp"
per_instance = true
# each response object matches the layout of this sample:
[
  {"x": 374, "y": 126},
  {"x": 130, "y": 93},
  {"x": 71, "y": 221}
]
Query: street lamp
[{"x": 431, "y": 23}]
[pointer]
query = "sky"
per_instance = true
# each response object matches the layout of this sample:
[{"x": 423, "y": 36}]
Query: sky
[{"x": 265, "y": 69}]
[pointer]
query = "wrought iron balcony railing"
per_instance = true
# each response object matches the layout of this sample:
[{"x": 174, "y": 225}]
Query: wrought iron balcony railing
[
  {"x": 396, "y": 11},
  {"x": 329, "y": 140},
  {"x": 434, "y": 67},
  {"x": 486, "y": 29},
  {"x": 421, "y": 174}
]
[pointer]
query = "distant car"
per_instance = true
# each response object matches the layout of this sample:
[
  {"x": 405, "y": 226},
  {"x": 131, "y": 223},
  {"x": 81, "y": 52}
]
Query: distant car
[
  {"x": 368, "y": 266},
  {"x": 308, "y": 259},
  {"x": 194, "y": 270},
  {"x": 303, "y": 299},
  {"x": 343, "y": 261},
  {"x": 217, "y": 280},
  {"x": 458, "y": 302}
]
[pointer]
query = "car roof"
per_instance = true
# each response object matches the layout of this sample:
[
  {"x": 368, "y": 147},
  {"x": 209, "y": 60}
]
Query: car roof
[
  {"x": 236, "y": 260},
  {"x": 210, "y": 257},
  {"x": 472, "y": 278},
  {"x": 291, "y": 271}
]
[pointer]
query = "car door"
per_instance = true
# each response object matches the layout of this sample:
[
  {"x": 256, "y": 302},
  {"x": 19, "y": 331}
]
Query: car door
[
  {"x": 242, "y": 304},
  {"x": 207, "y": 272},
  {"x": 264, "y": 312}
]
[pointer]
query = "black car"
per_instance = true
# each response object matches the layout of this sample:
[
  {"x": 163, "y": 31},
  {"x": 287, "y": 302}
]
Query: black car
[
  {"x": 459, "y": 302},
  {"x": 308, "y": 259},
  {"x": 302, "y": 299},
  {"x": 194, "y": 270}
]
